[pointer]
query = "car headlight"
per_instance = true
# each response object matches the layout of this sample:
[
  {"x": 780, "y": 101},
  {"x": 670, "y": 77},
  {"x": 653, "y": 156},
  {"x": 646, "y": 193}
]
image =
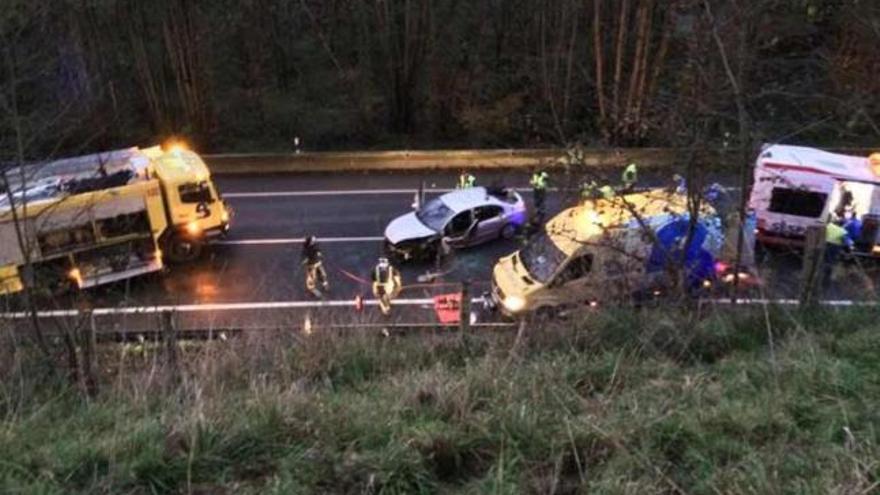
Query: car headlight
[{"x": 514, "y": 304}]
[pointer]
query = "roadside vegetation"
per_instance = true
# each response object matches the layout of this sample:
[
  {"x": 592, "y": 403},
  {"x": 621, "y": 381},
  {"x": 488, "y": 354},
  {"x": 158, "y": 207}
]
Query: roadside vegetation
[{"x": 623, "y": 402}]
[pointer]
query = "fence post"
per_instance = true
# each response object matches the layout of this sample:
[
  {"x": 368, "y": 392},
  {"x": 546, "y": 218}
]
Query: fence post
[
  {"x": 464, "y": 316},
  {"x": 169, "y": 338},
  {"x": 814, "y": 252},
  {"x": 88, "y": 341}
]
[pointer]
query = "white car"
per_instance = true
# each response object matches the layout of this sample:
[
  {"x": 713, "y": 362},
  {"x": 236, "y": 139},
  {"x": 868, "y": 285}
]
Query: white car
[{"x": 464, "y": 217}]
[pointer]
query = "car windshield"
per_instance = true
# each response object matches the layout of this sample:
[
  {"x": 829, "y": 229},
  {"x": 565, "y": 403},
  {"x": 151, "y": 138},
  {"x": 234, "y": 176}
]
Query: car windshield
[
  {"x": 541, "y": 257},
  {"x": 434, "y": 214}
]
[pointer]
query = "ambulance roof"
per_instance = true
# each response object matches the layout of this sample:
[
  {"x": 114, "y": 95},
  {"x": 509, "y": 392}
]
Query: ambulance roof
[
  {"x": 574, "y": 227},
  {"x": 810, "y": 160}
]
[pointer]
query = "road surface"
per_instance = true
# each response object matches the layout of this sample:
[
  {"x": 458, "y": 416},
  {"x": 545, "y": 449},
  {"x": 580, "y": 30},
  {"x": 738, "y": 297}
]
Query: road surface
[{"x": 254, "y": 279}]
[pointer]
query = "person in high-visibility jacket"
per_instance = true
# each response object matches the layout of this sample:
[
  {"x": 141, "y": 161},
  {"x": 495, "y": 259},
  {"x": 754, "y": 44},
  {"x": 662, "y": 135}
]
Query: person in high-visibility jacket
[
  {"x": 630, "y": 176},
  {"x": 837, "y": 240},
  {"x": 539, "y": 194},
  {"x": 386, "y": 285},
  {"x": 466, "y": 180},
  {"x": 591, "y": 190}
]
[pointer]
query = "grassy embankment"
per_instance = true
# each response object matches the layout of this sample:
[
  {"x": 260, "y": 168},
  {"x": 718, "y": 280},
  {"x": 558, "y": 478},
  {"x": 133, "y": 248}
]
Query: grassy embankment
[{"x": 626, "y": 403}]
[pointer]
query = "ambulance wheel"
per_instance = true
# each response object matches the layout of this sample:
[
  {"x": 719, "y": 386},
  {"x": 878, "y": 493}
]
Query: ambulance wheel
[
  {"x": 509, "y": 231},
  {"x": 181, "y": 250}
]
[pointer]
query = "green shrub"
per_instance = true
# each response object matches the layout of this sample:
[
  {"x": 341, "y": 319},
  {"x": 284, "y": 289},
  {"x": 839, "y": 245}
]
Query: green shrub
[{"x": 624, "y": 401}]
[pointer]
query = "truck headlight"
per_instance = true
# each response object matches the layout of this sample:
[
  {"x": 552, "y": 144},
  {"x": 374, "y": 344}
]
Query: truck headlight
[
  {"x": 193, "y": 228},
  {"x": 514, "y": 304}
]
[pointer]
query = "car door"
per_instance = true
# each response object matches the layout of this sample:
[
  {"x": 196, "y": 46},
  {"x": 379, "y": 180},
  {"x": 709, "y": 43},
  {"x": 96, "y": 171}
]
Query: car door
[
  {"x": 460, "y": 229},
  {"x": 490, "y": 221},
  {"x": 574, "y": 283}
]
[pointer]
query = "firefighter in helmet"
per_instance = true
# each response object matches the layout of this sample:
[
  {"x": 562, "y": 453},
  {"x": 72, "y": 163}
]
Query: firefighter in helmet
[
  {"x": 386, "y": 285},
  {"x": 312, "y": 259}
]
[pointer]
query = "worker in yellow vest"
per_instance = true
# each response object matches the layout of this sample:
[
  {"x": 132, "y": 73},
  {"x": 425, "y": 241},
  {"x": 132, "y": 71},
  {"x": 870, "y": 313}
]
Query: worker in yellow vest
[
  {"x": 629, "y": 177},
  {"x": 466, "y": 180},
  {"x": 386, "y": 285},
  {"x": 539, "y": 194},
  {"x": 837, "y": 240}
]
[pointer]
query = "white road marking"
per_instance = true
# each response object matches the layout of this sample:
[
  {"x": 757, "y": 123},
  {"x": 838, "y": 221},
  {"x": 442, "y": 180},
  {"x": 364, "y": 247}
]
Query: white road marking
[
  {"x": 367, "y": 192},
  {"x": 293, "y": 240},
  {"x": 278, "y": 194},
  {"x": 795, "y": 302},
  {"x": 197, "y": 308},
  {"x": 345, "y": 192}
]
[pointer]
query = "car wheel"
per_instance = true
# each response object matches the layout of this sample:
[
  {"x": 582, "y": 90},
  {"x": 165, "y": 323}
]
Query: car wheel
[{"x": 509, "y": 231}]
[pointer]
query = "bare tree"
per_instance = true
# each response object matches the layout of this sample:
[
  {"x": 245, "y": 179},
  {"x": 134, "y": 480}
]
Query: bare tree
[
  {"x": 630, "y": 44},
  {"x": 404, "y": 30}
]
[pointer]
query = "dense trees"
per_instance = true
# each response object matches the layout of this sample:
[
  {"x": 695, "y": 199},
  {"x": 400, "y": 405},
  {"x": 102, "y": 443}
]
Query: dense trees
[{"x": 252, "y": 74}]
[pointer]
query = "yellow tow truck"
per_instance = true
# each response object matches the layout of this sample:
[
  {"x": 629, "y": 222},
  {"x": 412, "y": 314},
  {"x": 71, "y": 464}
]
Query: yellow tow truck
[{"x": 90, "y": 220}]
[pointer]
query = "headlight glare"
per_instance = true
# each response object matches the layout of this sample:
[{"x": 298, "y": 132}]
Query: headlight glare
[{"x": 514, "y": 304}]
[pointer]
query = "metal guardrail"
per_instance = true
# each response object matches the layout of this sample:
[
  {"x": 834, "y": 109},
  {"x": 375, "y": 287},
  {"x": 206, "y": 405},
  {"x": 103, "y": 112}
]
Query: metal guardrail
[
  {"x": 321, "y": 161},
  {"x": 439, "y": 160}
]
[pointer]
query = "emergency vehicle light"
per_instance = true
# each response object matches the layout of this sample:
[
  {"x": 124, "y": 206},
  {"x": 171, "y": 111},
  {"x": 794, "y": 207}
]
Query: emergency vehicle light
[{"x": 175, "y": 145}]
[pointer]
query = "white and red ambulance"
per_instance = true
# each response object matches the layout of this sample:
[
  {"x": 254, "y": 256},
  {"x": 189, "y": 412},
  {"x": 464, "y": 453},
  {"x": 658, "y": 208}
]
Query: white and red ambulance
[{"x": 797, "y": 187}]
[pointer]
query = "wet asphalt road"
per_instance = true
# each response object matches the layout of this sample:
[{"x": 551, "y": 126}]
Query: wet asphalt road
[{"x": 259, "y": 264}]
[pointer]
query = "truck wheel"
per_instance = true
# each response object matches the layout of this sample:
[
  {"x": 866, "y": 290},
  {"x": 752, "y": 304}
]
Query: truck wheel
[{"x": 181, "y": 250}]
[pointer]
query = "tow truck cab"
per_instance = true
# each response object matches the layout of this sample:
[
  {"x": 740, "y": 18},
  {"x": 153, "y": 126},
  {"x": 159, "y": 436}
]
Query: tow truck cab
[
  {"x": 196, "y": 213},
  {"x": 601, "y": 250}
]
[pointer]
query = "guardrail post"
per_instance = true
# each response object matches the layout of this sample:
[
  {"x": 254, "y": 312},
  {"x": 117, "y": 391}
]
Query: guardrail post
[
  {"x": 814, "y": 252},
  {"x": 464, "y": 316}
]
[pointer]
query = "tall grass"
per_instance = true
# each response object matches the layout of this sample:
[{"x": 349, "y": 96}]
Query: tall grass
[{"x": 621, "y": 402}]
